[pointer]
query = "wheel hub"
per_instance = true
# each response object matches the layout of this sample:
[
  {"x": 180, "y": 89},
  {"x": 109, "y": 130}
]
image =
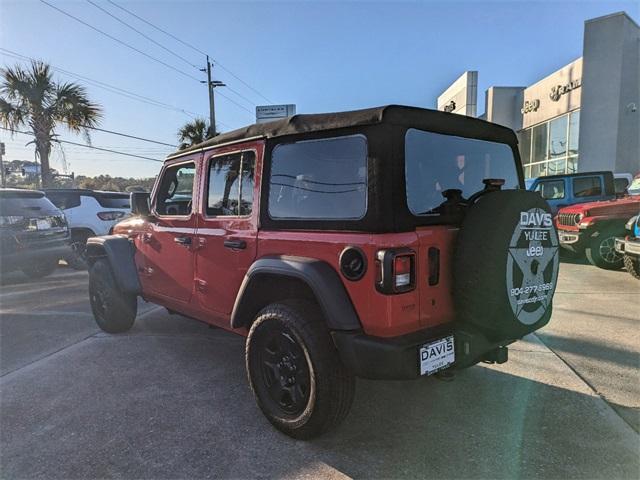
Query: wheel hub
[{"x": 285, "y": 372}]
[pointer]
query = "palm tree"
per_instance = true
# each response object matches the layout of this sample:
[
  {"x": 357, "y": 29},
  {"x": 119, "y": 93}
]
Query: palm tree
[
  {"x": 193, "y": 133},
  {"x": 31, "y": 98}
]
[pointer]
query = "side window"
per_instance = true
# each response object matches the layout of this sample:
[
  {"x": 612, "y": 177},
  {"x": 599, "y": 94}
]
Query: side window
[
  {"x": 175, "y": 193},
  {"x": 230, "y": 190},
  {"x": 621, "y": 184},
  {"x": 587, "y": 186},
  {"x": 551, "y": 190},
  {"x": 319, "y": 179}
]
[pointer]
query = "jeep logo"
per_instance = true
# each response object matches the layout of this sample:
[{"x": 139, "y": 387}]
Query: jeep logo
[{"x": 535, "y": 219}]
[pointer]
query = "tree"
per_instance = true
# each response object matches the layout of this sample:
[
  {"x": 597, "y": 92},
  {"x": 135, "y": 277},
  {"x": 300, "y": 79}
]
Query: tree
[
  {"x": 194, "y": 132},
  {"x": 31, "y": 98}
]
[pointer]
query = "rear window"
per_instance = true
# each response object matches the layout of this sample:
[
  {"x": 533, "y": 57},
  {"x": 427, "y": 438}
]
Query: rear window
[
  {"x": 587, "y": 186},
  {"x": 26, "y": 204},
  {"x": 114, "y": 200},
  {"x": 319, "y": 179},
  {"x": 435, "y": 163},
  {"x": 551, "y": 190}
]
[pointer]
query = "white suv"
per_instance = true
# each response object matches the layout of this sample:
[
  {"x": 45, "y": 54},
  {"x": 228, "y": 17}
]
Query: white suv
[{"x": 89, "y": 213}]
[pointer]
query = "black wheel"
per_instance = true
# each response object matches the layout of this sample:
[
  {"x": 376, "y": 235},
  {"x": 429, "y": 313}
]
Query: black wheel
[
  {"x": 294, "y": 371},
  {"x": 113, "y": 310},
  {"x": 601, "y": 251},
  {"x": 76, "y": 259},
  {"x": 632, "y": 265},
  {"x": 41, "y": 269}
]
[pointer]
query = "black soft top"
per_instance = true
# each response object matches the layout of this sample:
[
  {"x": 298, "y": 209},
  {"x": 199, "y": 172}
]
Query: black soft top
[{"x": 421, "y": 118}]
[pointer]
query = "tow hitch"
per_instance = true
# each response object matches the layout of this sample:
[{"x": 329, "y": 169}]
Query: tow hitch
[{"x": 497, "y": 355}]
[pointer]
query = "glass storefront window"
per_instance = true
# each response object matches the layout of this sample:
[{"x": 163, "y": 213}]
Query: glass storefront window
[
  {"x": 557, "y": 167},
  {"x": 525, "y": 146},
  {"x": 574, "y": 130},
  {"x": 539, "y": 143},
  {"x": 552, "y": 145},
  {"x": 558, "y": 137}
]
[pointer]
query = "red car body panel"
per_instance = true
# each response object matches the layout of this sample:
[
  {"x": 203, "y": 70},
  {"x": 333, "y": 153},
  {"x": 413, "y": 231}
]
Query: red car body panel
[{"x": 203, "y": 280}]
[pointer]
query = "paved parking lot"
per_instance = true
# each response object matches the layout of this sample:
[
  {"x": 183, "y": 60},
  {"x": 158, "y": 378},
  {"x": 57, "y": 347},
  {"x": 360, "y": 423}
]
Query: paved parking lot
[{"x": 170, "y": 399}]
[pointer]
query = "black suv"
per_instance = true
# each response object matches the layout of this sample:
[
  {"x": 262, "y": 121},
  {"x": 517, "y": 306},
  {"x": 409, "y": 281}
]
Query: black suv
[{"x": 33, "y": 233}]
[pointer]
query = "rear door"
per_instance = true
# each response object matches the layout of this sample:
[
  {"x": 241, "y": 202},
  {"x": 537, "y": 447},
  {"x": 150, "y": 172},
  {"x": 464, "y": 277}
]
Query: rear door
[
  {"x": 168, "y": 243},
  {"x": 227, "y": 224}
]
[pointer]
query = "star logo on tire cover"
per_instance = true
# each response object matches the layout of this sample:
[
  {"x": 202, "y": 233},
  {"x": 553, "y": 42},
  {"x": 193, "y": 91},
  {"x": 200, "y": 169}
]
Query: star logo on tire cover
[
  {"x": 532, "y": 257},
  {"x": 530, "y": 279}
]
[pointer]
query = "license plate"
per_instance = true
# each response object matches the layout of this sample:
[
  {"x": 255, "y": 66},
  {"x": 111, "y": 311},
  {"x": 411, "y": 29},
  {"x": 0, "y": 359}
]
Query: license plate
[
  {"x": 436, "y": 355},
  {"x": 43, "y": 224}
]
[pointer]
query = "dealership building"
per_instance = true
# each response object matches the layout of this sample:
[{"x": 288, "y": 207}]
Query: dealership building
[{"x": 583, "y": 117}]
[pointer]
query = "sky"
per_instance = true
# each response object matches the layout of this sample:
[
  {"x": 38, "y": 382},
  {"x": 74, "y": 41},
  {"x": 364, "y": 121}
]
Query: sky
[{"x": 321, "y": 56}]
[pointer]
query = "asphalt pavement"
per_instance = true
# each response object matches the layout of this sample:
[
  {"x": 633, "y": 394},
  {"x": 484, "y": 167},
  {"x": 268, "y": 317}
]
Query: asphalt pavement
[{"x": 169, "y": 399}]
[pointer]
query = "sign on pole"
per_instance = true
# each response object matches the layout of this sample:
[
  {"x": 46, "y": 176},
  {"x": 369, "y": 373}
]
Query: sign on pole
[{"x": 268, "y": 113}]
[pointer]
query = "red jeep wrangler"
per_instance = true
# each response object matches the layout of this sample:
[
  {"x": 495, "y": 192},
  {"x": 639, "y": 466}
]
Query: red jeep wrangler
[
  {"x": 591, "y": 229},
  {"x": 388, "y": 243}
]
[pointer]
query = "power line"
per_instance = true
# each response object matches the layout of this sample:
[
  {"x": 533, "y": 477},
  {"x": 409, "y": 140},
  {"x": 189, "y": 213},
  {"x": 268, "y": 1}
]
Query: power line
[
  {"x": 129, "y": 136},
  {"x": 111, "y": 88},
  {"x": 144, "y": 35},
  {"x": 190, "y": 46},
  {"x": 115, "y": 39},
  {"x": 90, "y": 146}
]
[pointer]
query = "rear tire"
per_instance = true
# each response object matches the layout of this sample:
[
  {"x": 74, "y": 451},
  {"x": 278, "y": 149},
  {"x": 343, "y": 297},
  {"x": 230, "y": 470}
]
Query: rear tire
[
  {"x": 113, "y": 310},
  {"x": 295, "y": 372},
  {"x": 41, "y": 269},
  {"x": 76, "y": 259},
  {"x": 632, "y": 265},
  {"x": 601, "y": 251}
]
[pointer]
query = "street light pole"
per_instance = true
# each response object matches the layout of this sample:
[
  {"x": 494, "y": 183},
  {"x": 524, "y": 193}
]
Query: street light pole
[{"x": 211, "y": 84}]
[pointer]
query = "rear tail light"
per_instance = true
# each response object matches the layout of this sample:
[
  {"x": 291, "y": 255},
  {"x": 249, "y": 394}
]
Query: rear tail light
[
  {"x": 110, "y": 215},
  {"x": 395, "y": 270}
]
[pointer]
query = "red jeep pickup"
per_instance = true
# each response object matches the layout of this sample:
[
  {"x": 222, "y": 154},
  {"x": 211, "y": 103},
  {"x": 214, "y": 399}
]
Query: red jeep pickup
[
  {"x": 592, "y": 228},
  {"x": 387, "y": 243}
]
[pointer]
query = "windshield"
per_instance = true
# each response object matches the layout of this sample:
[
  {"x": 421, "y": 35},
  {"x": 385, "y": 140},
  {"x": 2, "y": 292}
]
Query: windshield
[{"x": 435, "y": 163}]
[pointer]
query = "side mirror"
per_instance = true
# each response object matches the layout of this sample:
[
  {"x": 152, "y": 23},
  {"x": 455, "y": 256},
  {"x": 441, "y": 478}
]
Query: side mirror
[{"x": 140, "y": 204}]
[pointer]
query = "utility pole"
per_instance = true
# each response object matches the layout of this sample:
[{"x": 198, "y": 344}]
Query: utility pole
[
  {"x": 211, "y": 84},
  {"x": 2, "y": 151}
]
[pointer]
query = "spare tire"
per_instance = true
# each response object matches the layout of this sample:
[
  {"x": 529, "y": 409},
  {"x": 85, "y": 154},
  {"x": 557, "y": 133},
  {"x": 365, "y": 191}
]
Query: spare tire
[{"x": 506, "y": 264}]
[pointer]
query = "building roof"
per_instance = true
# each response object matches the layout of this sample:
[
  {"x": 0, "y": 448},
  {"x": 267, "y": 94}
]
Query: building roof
[{"x": 393, "y": 114}]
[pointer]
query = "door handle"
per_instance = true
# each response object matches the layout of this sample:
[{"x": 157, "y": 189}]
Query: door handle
[
  {"x": 186, "y": 241},
  {"x": 146, "y": 237},
  {"x": 237, "y": 244}
]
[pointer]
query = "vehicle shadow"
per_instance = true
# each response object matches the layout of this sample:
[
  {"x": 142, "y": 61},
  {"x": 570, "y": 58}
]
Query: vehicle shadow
[{"x": 170, "y": 400}]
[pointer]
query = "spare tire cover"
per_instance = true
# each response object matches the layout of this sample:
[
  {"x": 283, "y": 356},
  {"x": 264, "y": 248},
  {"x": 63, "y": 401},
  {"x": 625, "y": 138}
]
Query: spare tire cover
[{"x": 506, "y": 264}]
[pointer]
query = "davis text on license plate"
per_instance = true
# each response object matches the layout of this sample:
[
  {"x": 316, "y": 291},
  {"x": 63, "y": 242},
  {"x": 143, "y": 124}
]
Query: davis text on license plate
[{"x": 436, "y": 355}]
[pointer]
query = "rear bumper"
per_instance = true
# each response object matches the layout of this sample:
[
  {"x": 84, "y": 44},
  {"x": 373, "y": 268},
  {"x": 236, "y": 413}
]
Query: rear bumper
[
  {"x": 39, "y": 253},
  {"x": 628, "y": 246},
  {"x": 397, "y": 358}
]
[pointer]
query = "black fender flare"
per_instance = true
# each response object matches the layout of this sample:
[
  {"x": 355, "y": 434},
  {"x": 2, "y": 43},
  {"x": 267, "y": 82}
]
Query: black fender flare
[
  {"x": 119, "y": 252},
  {"x": 319, "y": 276}
]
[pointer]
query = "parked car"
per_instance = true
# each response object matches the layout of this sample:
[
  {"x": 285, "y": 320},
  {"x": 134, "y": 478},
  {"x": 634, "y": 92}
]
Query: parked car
[
  {"x": 89, "y": 213},
  {"x": 629, "y": 247},
  {"x": 388, "y": 243},
  {"x": 591, "y": 229},
  {"x": 33, "y": 233},
  {"x": 564, "y": 190}
]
